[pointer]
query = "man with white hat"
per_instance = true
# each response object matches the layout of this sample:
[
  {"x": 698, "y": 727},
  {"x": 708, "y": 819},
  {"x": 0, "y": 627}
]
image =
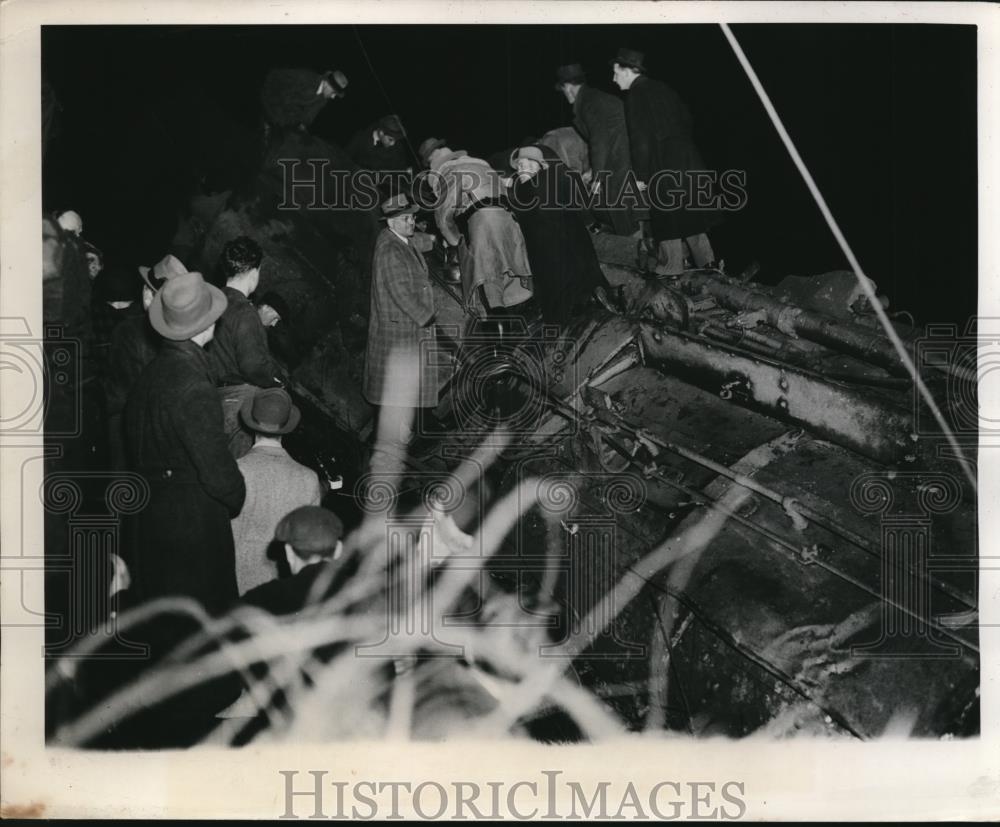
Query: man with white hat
[{"x": 183, "y": 541}]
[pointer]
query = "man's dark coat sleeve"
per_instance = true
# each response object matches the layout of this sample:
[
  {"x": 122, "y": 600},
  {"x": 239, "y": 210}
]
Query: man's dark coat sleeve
[{"x": 202, "y": 437}]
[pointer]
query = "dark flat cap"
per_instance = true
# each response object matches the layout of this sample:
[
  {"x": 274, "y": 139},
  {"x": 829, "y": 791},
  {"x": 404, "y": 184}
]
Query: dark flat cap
[{"x": 310, "y": 529}]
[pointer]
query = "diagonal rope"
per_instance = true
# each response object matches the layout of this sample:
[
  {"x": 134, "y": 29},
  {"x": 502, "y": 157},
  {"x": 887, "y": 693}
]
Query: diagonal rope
[
  {"x": 863, "y": 280},
  {"x": 381, "y": 88}
]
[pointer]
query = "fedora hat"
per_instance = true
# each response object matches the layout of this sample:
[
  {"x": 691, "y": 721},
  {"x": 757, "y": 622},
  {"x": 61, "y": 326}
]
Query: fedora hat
[
  {"x": 270, "y": 411},
  {"x": 338, "y": 80},
  {"x": 166, "y": 268},
  {"x": 631, "y": 58},
  {"x": 570, "y": 73},
  {"x": 185, "y": 307},
  {"x": 397, "y": 205},
  {"x": 427, "y": 146},
  {"x": 532, "y": 153}
]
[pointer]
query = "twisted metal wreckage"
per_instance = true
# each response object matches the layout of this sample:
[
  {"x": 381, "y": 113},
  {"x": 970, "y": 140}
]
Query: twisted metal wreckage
[
  {"x": 837, "y": 593},
  {"x": 840, "y": 590}
]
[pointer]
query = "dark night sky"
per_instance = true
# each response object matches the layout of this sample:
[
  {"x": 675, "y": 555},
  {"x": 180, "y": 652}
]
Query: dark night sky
[{"x": 885, "y": 117}]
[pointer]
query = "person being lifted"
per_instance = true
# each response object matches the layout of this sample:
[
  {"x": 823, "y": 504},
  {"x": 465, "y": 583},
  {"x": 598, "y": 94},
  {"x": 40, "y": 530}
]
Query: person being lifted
[{"x": 472, "y": 213}]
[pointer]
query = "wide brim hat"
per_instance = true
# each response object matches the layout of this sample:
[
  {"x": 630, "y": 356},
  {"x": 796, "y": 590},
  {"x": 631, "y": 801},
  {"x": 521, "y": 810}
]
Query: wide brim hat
[
  {"x": 185, "y": 307},
  {"x": 338, "y": 80},
  {"x": 157, "y": 275},
  {"x": 570, "y": 73},
  {"x": 629, "y": 57},
  {"x": 532, "y": 153},
  {"x": 270, "y": 401},
  {"x": 396, "y": 206}
]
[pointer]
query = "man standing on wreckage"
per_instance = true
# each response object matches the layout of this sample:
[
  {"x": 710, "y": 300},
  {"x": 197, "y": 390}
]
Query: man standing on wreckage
[
  {"x": 401, "y": 321},
  {"x": 291, "y": 99},
  {"x": 664, "y": 158}
]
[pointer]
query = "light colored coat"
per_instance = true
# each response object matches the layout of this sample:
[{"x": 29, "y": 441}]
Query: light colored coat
[
  {"x": 276, "y": 484},
  {"x": 494, "y": 256}
]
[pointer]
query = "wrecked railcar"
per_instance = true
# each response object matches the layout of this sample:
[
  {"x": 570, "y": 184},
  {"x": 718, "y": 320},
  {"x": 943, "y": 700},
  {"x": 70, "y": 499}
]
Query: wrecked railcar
[{"x": 835, "y": 594}]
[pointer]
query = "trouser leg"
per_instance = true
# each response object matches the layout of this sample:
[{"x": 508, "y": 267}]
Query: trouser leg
[
  {"x": 701, "y": 249},
  {"x": 670, "y": 257},
  {"x": 393, "y": 432}
]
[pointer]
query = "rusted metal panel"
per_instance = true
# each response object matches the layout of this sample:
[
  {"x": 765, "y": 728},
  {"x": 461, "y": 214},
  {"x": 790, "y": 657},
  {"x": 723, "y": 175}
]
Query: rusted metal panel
[{"x": 874, "y": 428}]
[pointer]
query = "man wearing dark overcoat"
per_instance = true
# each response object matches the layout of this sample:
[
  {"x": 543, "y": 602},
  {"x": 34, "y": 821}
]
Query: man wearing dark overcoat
[
  {"x": 402, "y": 315},
  {"x": 133, "y": 346},
  {"x": 664, "y": 155},
  {"x": 600, "y": 119},
  {"x": 183, "y": 540},
  {"x": 239, "y": 354},
  {"x": 380, "y": 147}
]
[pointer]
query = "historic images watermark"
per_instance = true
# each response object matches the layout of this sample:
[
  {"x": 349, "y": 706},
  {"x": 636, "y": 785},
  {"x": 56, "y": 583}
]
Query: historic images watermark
[
  {"x": 316, "y": 794},
  {"x": 917, "y": 578},
  {"x": 312, "y": 184},
  {"x": 966, "y": 360},
  {"x": 502, "y": 379},
  {"x": 42, "y": 382},
  {"x": 910, "y": 570},
  {"x": 42, "y": 423}
]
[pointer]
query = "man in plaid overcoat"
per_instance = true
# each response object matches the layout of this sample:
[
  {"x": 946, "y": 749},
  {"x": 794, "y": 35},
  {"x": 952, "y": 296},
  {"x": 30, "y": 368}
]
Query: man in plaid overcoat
[{"x": 402, "y": 314}]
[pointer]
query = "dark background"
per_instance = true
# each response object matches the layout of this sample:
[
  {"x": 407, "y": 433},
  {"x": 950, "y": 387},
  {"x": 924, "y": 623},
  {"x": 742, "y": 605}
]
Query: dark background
[{"x": 883, "y": 115}]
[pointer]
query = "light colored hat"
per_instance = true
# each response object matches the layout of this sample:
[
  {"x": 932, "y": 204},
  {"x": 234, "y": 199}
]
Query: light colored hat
[
  {"x": 166, "y": 268},
  {"x": 338, "y": 80},
  {"x": 185, "y": 307},
  {"x": 71, "y": 221},
  {"x": 531, "y": 153}
]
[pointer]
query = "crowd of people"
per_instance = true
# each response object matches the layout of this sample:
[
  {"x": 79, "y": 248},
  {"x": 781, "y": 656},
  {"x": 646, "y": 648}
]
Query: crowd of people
[
  {"x": 521, "y": 228},
  {"x": 193, "y": 398}
]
